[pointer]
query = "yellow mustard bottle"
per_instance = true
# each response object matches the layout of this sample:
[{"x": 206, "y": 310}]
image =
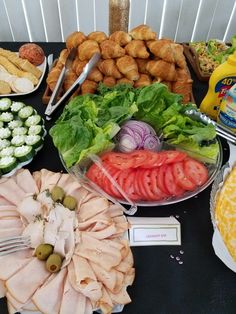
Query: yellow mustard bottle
[{"x": 221, "y": 80}]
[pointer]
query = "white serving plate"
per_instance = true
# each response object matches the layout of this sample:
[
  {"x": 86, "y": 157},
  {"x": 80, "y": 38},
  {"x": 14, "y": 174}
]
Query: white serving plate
[{"x": 42, "y": 67}]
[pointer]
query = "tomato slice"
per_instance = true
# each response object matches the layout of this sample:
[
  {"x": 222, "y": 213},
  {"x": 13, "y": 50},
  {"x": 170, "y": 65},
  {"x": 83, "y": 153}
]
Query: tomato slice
[
  {"x": 147, "y": 185},
  {"x": 106, "y": 182},
  {"x": 181, "y": 179},
  {"x": 195, "y": 171},
  {"x": 118, "y": 160},
  {"x": 161, "y": 180},
  {"x": 155, "y": 159},
  {"x": 170, "y": 183},
  {"x": 129, "y": 187},
  {"x": 139, "y": 157},
  {"x": 154, "y": 185},
  {"x": 173, "y": 156},
  {"x": 94, "y": 173}
]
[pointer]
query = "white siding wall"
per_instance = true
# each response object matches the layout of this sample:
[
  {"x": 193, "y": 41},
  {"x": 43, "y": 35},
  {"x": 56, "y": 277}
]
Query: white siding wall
[{"x": 53, "y": 20}]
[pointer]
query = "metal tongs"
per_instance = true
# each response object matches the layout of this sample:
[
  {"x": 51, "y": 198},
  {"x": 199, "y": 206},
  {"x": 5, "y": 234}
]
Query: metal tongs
[
  {"x": 220, "y": 129},
  {"x": 53, "y": 105}
]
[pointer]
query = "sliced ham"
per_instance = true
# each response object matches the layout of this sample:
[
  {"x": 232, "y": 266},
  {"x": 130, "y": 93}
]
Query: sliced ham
[
  {"x": 129, "y": 277},
  {"x": 126, "y": 264},
  {"x": 98, "y": 252},
  {"x": 48, "y": 297},
  {"x": 116, "y": 210},
  {"x": 12, "y": 263},
  {"x": 49, "y": 179},
  {"x": 74, "y": 301},
  {"x": 11, "y": 232},
  {"x": 30, "y": 208},
  {"x": 24, "y": 283},
  {"x": 35, "y": 230},
  {"x": 79, "y": 194},
  {"x": 37, "y": 179},
  {"x": 4, "y": 201},
  {"x": 92, "y": 208},
  {"x": 2, "y": 289},
  {"x": 7, "y": 207},
  {"x": 11, "y": 191},
  {"x": 65, "y": 180},
  {"x": 9, "y": 214},
  {"x": 107, "y": 232},
  {"x": 83, "y": 278},
  {"x": 10, "y": 223},
  {"x": 102, "y": 219},
  {"x": 108, "y": 278},
  {"x": 20, "y": 306},
  {"x": 11, "y": 309},
  {"x": 26, "y": 182}
]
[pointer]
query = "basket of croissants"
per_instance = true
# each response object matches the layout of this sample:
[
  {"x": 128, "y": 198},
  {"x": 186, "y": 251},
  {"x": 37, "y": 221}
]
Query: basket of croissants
[{"x": 136, "y": 57}]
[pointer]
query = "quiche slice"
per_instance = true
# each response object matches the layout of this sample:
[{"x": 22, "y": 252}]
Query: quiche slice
[{"x": 225, "y": 212}]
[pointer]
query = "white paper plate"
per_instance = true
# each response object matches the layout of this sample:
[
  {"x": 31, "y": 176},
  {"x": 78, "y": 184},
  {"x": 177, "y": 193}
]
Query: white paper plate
[{"x": 42, "y": 67}]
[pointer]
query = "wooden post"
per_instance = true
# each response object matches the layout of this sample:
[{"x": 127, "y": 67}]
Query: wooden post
[{"x": 118, "y": 15}]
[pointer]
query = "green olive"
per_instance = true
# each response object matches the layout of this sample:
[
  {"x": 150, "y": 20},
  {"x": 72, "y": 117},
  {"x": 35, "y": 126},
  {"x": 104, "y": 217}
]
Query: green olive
[
  {"x": 57, "y": 194},
  {"x": 43, "y": 251},
  {"x": 70, "y": 202},
  {"x": 53, "y": 263}
]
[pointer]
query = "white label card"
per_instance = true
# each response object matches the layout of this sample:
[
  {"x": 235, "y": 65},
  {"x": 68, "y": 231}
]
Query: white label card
[{"x": 146, "y": 231}]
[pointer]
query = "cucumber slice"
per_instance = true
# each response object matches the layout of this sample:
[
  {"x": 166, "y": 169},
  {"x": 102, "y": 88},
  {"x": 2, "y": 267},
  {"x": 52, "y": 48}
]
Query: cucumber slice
[
  {"x": 5, "y": 104},
  {"x": 33, "y": 120},
  {"x": 18, "y": 140},
  {"x": 5, "y": 133},
  {"x": 4, "y": 143},
  {"x": 15, "y": 124},
  {"x": 7, "y": 164},
  {"x": 17, "y": 106},
  {"x": 24, "y": 153},
  {"x": 6, "y": 116},
  {"x": 19, "y": 131},
  {"x": 35, "y": 130},
  {"x": 34, "y": 140},
  {"x": 8, "y": 151},
  {"x": 1, "y": 124},
  {"x": 26, "y": 112}
]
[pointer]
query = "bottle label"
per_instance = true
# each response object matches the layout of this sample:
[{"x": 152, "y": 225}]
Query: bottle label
[
  {"x": 224, "y": 85},
  {"x": 227, "y": 113}
]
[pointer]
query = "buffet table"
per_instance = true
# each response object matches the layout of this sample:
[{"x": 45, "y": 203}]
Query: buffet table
[{"x": 169, "y": 279}]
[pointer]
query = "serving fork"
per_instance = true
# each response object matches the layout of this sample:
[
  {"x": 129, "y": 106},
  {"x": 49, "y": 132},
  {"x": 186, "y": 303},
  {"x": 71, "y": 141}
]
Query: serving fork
[{"x": 13, "y": 244}]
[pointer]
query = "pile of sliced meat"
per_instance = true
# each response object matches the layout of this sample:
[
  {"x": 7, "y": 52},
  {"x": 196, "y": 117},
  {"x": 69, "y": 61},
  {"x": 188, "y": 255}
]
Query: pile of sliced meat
[{"x": 97, "y": 260}]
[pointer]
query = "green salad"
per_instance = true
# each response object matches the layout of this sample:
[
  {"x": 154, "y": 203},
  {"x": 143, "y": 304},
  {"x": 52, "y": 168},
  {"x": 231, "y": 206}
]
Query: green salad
[{"x": 89, "y": 123}]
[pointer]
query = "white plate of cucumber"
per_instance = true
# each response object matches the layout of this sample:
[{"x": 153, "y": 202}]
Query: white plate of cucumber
[{"x": 22, "y": 134}]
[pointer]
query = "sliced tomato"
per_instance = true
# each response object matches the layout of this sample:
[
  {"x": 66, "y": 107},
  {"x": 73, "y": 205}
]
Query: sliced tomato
[
  {"x": 139, "y": 157},
  {"x": 118, "y": 160},
  {"x": 170, "y": 183},
  {"x": 155, "y": 159},
  {"x": 129, "y": 187},
  {"x": 94, "y": 173},
  {"x": 161, "y": 179},
  {"x": 181, "y": 179},
  {"x": 106, "y": 183},
  {"x": 141, "y": 188},
  {"x": 195, "y": 171},
  {"x": 147, "y": 185},
  {"x": 154, "y": 185},
  {"x": 173, "y": 156}
]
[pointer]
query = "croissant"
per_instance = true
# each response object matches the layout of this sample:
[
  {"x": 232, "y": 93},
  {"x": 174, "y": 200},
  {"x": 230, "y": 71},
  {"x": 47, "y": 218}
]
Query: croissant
[
  {"x": 162, "y": 69},
  {"x": 87, "y": 49},
  {"x": 162, "y": 49},
  {"x": 97, "y": 36},
  {"x": 95, "y": 75},
  {"x": 63, "y": 56},
  {"x": 142, "y": 32},
  {"x": 179, "y": 57},
  {"x": 120, "y": 37},
  {"x": 108, "y": 68},
  {"x": 79, "y": 67},
  {"x": 74, "y": 40},
  {"x": 70, "y": 78},
  {"x": 110, "y": 49},
  {"x": 183, "y": 85},
  {"x": 137, "y": 49},
  {"x": 124, "y": 80},
  {"x": 142, "y": 63},
  {"x": 109, "y": 81},
  {"x": 88, "y": 87},
  {"x": 128, "y": 67},
  {"x": 144, "y": 80},
  {"x": 53, "y": 76}
]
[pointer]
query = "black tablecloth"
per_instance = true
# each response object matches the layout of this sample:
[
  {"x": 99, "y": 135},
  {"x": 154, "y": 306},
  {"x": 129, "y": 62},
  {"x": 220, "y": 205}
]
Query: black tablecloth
[{"x": 202, "y": 284}]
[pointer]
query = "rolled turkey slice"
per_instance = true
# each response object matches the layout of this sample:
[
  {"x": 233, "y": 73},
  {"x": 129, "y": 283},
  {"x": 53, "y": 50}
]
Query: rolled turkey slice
[
  {"x": 24, "y": 283},
  {"x": 11, "y": 191},
  {"x": 49, "y": 179},
  {"x": 26, "y": 182},
  {"x": 93, "y": 207},
  {"x": 48, "y": 297}
]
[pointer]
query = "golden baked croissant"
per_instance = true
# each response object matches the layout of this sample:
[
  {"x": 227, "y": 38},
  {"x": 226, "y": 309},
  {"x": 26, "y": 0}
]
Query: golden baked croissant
[
  {"x": 110, "y": 49},
  {"x": 87, "y": 49},
  {"x": 183, "y": 85},
  {"x": 162, "y": 69},
  {"x": 95, "y": 75},
  {"x": 97, "y": 36},
  {"x": 109, "y": 81},
  {"x": 70, "y": 78},
  {"x": 162, "y": 49},
  {"x": 74, "y": 40},
  {"x": 79, "y": 67},
  {"x": 142, "y": 32},
  {"x": 124, "y": 80},
  {"x": 120, "y": 37},
  {"x": 142, "y": 63},
  {"x": 179, "y": 57},
  {"x": 128, "y": 67},
  {"x": 137, "y": 49},
  {"x": 63, "y": 56},
  {"x": 88, "y": 87},
  {"x": 144, "y": 80},
  {"x": 108, "y": 68}
]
